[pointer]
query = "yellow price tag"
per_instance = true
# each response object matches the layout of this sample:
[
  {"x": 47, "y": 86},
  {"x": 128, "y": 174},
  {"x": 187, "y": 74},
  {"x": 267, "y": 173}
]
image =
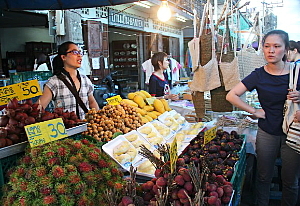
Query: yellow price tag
[
  {"x": 44, "y": 132},
  {"x": 150, "y": 100},
  {"x": 115, "y": 100},
  {"x": 173, "y": 154},
  {"x": 23, "y": 90},
  {"x": 210, "y": 134}
]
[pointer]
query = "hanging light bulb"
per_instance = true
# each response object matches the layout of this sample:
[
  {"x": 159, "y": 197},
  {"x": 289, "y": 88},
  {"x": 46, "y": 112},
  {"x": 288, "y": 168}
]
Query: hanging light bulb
[{"x": 164, "y": 12}]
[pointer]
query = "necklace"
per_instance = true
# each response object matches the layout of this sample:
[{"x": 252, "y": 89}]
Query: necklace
[{"x": 276, "y": 74}]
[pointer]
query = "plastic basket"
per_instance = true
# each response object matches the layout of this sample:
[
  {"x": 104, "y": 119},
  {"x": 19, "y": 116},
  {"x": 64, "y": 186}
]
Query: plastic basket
[{"x": 238, "y": 176}]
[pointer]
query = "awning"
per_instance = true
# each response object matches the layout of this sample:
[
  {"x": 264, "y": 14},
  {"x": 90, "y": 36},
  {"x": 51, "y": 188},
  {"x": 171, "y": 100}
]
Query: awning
[{"x": 57, "y": 4}]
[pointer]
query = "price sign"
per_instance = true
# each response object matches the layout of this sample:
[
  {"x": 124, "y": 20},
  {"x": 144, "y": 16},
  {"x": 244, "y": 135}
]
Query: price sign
[
  {"x": 23, "y": 90},
  {"x": 173, "y": 154},
  {"x": 115, "y": 100},
  {"x": 150, "y": 100},
  {"x": 44, "y": 132},
  {"x": 210, "y": 134}
]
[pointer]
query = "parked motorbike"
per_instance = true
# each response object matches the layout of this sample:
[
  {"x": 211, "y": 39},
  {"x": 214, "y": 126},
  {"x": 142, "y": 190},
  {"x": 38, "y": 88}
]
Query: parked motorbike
[{"x": 109, "y": 87}]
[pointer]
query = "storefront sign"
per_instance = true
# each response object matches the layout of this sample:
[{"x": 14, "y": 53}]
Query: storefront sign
[
  {"x": 115, "y": 100},
  {"x": 118, "y": 18},
  {"x": 210, "y": 134},
  {"x": 44, "y": 132},
  {"x": 23, "y": 90}
]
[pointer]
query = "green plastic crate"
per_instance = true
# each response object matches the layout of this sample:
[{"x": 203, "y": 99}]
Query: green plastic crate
[
  {"x": 7, "y": 163},
  {"x": 29, "y": 75},
  {"x": 238, "y": 176}
]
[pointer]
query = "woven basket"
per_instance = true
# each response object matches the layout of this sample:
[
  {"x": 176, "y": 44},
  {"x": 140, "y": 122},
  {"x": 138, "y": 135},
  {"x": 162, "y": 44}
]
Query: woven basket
[
  {"x": 205, "y": 48},
  {"x": 199, "y": 103},
  {"x": 219, "y": 102},
  {"x": 249, "y": 60}
]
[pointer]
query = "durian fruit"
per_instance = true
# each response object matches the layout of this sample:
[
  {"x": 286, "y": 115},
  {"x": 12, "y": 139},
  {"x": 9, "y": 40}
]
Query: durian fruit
[
  {"x": 152, "y": 115},
  {"x": 166, "y": 104},
  {"x": 131, "y": 137},
  {"x": 193, "y": 132},
  {"x": 146, "y": 167},
  {"x": 139, "y": 100},
  {"x": 121, "y": 148},
  {"x": 168, "y": 123},
  {"x": 155, "y": 140},
  {"x": 141, "y": 111},
  {"x": 158, "y": 106},
  {"x": 146, "y": 93},
  {"x": 180, "y": 120},
  {"x": 164, "y": 132},
  {"x": 141, "y": 94},
  {"x": 157, "y": 113},
  {"x": 123, "y": 158},
  {"x": 146, "y": 130},
  {"x": 151, "y": 135},
  {"x": 148, "y": 117},
  {"x": 176, "y": 116},
  {"x": 174, "y": 126},
  {"x": 129, "y": 102},
  {"x": 148, "y": 108},
  {"x": 144, "y": 120},
  {"x": 131, "y": 95},
  {"x": 132, "y": 152}
]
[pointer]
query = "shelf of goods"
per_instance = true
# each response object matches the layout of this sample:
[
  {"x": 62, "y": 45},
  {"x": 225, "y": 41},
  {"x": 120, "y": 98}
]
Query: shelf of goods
[{"x": 125, "y": 59}]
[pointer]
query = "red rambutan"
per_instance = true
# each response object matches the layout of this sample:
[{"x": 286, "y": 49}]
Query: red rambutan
[
  {"x": 50, "y": 154},
  {"x": 102, "y": 164},
  {"x": 93, "y": 156},
  {"x": 85, "y": 167},
  {"x": 49, "y": 199},
  {"x": 62, "y": 151},
  {"x": 58, "y": 171}
]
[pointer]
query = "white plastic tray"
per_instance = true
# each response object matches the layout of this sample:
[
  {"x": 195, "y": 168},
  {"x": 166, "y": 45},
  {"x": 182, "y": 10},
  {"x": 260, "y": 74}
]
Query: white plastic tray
[
  {"x": 164, "y": 126},
  {"x": 109, "y": 147},
  {"x": 157, "y": 134}
]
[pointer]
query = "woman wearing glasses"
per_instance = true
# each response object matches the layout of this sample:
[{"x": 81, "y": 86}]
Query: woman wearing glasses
[{"x": 65, "y": 66}]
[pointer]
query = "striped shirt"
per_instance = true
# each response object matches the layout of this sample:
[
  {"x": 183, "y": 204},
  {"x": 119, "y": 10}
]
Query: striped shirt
[{"x": 63, "y": 97}]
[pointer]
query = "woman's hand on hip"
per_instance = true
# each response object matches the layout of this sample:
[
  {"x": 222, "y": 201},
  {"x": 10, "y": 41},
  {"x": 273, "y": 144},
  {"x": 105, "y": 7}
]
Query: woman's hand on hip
[{"x": 258, "y": 114}]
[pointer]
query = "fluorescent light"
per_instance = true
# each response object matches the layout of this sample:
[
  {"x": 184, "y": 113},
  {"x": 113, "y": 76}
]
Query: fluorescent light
[
  {"x": 180, "y": 18},
  {"x": 143, "y": 4}
]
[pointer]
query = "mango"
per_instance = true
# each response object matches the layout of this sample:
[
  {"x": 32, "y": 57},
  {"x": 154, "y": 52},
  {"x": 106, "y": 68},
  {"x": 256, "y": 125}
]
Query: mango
[
  {"x": 166, "y": 104},
  {"x": 139, "y": 100},
  {"x": 159, "y": 106}
]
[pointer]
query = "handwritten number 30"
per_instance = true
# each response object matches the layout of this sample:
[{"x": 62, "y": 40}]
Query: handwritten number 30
[{"x": 59, "y": 128}]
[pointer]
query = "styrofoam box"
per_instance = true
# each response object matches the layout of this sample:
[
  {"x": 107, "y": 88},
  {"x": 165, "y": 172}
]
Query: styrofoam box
[
  {"x": 178, "y": 117},
  {"x": 141, "y": 138},
  {"x": 142, "y": 173},
  {"x": 166, "y": 115},
  {"x": 109, "y": 147},
  {"x": 157, "y": 134},
  {"x": 156, "y": 122},
  {"x": 182, "y": 146}
]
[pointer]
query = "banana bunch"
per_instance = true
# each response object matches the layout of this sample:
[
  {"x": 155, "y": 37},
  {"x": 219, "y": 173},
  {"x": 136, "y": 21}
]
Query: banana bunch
[{"x": 146, "y": 112}]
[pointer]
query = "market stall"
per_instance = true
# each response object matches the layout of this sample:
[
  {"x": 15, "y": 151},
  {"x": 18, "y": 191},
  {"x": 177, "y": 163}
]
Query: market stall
[{"x": 119, "y": 129}]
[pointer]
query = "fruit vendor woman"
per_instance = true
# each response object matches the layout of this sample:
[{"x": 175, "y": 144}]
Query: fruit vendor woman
[
  {"x": 158, "y": 82},
  {"x": 65, "y": 66}
]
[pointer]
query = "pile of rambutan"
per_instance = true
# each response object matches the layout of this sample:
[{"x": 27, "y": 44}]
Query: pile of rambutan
[{"x": 63, "y": 173}]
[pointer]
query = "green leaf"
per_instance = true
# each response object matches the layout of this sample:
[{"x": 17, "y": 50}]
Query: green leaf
[{"x": 116, "y": 134}]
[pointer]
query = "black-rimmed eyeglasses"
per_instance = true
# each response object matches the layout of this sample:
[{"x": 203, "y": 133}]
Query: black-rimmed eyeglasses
[{"x": 75, "y": 52}]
